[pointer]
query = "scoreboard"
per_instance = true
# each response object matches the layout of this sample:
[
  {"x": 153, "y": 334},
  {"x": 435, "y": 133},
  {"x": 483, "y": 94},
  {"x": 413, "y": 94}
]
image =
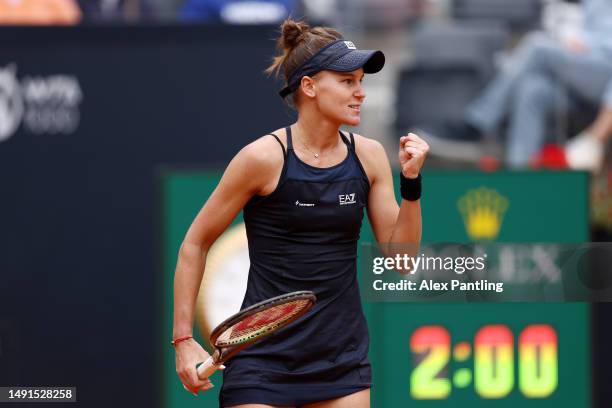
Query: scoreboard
[
  {"x": 481, "y": 355},
  {"x": 446, "y": 355},
  {"x": 488, "y": 354}
]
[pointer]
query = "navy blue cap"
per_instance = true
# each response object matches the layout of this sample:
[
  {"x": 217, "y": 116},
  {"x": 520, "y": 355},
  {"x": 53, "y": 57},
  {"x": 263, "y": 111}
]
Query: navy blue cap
[{"x": 340, "y": 55}]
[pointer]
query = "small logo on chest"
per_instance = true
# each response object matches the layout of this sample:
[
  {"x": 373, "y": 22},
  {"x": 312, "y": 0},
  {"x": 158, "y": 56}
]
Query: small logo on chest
[
  {"x": 345, "y": 199},
  {"x": 298, "y": 204}
]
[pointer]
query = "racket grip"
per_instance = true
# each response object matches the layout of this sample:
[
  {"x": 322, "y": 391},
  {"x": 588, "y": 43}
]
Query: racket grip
[{"x": 207, "y": 368}]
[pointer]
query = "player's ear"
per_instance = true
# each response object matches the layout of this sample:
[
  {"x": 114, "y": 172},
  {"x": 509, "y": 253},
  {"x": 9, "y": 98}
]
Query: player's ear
[{"x": 308, "y": 86}]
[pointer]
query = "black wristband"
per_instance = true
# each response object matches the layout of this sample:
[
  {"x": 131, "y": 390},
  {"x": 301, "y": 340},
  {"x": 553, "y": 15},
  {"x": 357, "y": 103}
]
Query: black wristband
[{"x": 410, "y": 188}]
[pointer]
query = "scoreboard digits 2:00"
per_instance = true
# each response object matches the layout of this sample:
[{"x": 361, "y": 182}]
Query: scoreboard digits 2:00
[{"x": 493, "y": 362}]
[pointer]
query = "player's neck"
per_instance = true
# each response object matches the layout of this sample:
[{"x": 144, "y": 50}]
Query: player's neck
[{"x": 319, "y": 134}]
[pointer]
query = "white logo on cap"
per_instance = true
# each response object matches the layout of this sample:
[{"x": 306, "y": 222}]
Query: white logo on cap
[{"x": 350, "y": 45}]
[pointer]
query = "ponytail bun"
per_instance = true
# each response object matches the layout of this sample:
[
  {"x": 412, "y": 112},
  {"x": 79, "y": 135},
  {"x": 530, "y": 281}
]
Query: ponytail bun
[
  {"x": 297, "y": 42},
  {"x": 292, "y": 33}
]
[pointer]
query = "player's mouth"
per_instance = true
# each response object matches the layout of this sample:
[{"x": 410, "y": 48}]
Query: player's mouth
[{"x": 356, "y": 108}]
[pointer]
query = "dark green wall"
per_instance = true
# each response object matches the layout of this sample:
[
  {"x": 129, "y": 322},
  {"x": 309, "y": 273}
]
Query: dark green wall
[{"x": 541, "y": 207}]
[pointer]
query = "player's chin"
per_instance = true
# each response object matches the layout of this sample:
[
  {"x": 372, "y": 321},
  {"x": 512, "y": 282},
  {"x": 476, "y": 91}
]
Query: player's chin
[{"x": 352, "y": 120}]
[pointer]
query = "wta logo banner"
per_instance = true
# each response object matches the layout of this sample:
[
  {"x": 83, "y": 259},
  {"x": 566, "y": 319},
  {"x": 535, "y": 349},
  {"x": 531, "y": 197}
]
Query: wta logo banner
[
  {"x": 11, "y": 102},
  {"x": 41, "y": 104}
]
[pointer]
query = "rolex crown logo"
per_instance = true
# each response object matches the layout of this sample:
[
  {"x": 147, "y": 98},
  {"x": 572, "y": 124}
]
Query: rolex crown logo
[{"x": 483, "y": 212}]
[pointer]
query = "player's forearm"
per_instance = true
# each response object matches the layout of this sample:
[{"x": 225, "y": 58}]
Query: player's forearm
[
  {"x": 405, "y": 235},
  {"x": 187, "y": 279},
  {"x": 408, "y": 227}
]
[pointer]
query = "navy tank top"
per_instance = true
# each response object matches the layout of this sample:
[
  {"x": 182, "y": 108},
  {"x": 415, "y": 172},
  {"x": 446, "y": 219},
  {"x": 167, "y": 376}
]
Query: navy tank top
[{"x": 303, "y": 236}]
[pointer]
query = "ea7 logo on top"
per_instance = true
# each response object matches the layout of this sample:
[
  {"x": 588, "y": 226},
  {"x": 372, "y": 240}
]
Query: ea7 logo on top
[{"x": 345, "y": 199}]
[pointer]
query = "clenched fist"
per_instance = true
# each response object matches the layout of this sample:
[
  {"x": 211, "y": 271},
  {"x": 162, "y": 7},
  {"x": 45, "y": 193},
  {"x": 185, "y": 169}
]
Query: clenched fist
[{"x": 412, "y": 153}]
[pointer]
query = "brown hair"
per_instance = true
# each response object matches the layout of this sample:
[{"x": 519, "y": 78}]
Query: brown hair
[{"x": 296, "y": 44}]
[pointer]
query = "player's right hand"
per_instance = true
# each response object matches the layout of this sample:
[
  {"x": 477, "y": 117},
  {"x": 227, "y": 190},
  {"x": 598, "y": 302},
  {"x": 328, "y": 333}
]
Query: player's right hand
[{"x": 189, "y": 354}]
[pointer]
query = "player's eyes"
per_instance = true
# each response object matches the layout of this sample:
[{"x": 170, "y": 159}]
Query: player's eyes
[{"x": 350, "y": 81}]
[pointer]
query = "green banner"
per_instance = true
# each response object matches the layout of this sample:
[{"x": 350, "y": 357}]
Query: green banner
[{"x": 445, "y": 355}]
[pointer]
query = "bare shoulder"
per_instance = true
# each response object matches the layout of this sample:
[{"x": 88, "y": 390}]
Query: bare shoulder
[
  {"x": 265, "y": 153},
  {"x": 368, "y": 148},
  {"x": 372, "y": 156},
  {"x": 261, "y": 162}
]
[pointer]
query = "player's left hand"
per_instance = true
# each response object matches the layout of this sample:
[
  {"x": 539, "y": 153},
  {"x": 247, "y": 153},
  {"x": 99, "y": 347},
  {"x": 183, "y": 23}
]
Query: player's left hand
[{"x": 412, "y": 153}]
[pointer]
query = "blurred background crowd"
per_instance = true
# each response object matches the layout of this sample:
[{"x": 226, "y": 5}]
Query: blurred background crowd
[{"x": 490, "y": 83}]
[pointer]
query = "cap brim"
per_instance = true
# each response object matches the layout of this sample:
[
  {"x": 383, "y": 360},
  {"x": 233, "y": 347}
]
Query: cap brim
[{"x": 371, "y": 61}]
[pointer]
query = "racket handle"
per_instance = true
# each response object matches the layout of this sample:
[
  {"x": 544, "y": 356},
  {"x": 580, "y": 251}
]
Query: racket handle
[{"x": 207, "y": 368}]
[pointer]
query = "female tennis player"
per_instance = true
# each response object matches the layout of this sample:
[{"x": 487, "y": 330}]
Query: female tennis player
[{"x": 303, "y": 190}]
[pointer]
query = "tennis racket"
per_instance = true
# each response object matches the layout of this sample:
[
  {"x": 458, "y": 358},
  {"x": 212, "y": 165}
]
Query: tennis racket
[{"x": 252, "y": 324}]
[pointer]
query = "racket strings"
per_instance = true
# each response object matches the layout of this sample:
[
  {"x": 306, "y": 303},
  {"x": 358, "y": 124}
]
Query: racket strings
[{"x": 262, "y": 322}]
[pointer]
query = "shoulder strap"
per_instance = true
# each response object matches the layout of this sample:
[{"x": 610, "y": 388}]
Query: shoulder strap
[
  {"x": 289, "y": 138},
  {"x": 346, "y": 141},
  {"x": 279, "y": 142},
  {"x": 351, "y": 146}
]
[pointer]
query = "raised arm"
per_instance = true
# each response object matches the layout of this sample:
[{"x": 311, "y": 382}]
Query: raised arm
[{"x": 393, "y": 223}]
